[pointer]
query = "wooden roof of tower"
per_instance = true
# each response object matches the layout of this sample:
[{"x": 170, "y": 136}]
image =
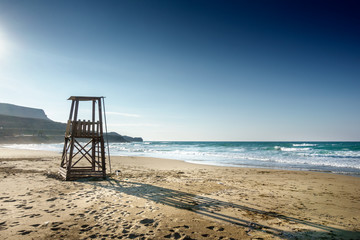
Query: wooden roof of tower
[{"x": 84, "y": 98}]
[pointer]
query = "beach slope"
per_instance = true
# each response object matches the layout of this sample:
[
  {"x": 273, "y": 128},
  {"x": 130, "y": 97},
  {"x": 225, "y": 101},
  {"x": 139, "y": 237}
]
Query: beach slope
[{"x": 168, "y": 199}]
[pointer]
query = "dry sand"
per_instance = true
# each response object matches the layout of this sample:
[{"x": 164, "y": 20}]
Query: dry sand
[{"x": 169, "y": 199}]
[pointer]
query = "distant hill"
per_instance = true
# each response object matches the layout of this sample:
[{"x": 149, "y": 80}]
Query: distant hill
[
  {"x": 115, "y": 137},
  {"x": 30, "y": 130},
  {"x": 133, "y": 139},
  {"x": 29, "y": 125},
  {"x": 19, "y": 111}
]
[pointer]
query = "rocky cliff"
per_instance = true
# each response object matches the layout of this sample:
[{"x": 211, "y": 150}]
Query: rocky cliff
[{"x": 24, "y": 112}]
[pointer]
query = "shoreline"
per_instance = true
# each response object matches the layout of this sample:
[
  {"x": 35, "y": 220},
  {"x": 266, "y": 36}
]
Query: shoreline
[
  {"x": 156, "y": 198},
  {"x": 327, "y": 169}
]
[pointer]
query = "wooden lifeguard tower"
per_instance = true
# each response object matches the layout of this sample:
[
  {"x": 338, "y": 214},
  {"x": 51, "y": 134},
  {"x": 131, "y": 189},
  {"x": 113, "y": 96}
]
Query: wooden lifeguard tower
[{"x": 84, "y": 149}]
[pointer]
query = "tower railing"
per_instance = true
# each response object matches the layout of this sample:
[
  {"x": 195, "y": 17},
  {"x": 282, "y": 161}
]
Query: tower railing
[{"x": 83, "y": 129}]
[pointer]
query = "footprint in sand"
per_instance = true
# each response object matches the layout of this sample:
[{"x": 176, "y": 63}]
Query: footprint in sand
[
  {"x": 3, "y": 225},
  {"x": 49, "y": 211},
  {"x": 85, "y": 228},
  {"x": 175, "y": 235},
  {"x": 56, "y": 224},
  {"x": 24, "y": 232},
  {"x": 188, "y": 238},
  {"x": 3, "y": 210},
  {"x": 13, "y": 224},
  {"x": 51, "y": 199},
  {"x": 31, "y": 215},
  {"x": 215, "y": 228},
  {"x": 147, "y": 221},
  {"x": 93, "y": 236},
  {"x": 184, "y": 226},
  {"x": 133, "y": 236},
  {"x": 92, "y": 212}
]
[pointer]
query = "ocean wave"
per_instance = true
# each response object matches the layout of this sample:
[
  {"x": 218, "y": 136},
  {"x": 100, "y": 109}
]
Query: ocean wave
[
  {"x": 333, "y": 154},
  {"x": 287, "y": 149},
  {"x": 304, "y": 145},
  {"x": 56, "y": 147},
  {"x": 320, "y": 156}
]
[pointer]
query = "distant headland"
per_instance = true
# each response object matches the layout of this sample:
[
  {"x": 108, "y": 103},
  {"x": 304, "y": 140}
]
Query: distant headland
[{"x": 19, "y": 124}]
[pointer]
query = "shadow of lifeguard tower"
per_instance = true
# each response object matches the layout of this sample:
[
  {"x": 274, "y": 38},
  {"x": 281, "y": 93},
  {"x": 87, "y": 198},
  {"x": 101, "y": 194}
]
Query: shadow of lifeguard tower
[{"x": 84, "y": 149}]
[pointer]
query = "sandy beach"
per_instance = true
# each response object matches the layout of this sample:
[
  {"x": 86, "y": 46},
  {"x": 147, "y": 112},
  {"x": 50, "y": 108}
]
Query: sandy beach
[{"x": 168, "y": 199}]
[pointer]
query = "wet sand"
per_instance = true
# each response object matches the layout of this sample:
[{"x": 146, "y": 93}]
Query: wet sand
[{"x": 168, "y": 199}]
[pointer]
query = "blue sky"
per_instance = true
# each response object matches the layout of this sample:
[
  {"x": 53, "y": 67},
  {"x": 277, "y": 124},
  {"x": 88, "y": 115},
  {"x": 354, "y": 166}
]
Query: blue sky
[{"x": 190, "y": 70}]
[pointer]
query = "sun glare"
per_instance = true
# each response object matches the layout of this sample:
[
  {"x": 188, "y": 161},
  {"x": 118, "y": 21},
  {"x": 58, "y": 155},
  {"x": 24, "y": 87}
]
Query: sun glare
[
  {"x": 2, "y": 47},
  {"x": 2, "y": 44}
]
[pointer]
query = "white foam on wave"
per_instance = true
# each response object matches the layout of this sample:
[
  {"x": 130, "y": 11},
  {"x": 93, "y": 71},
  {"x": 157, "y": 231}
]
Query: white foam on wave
[
  {"x": 56, "y": 147},
  {"x": 298, "y": 156},
  {"x": 285, "y": 156},
  {"x": 335, "y": 154},
  {"x": 287, "y": 149},
  {"x": 304, "y": 145}
]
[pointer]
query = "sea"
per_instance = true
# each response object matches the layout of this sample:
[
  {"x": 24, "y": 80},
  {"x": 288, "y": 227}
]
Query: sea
[{"x": 332, "y": 157}]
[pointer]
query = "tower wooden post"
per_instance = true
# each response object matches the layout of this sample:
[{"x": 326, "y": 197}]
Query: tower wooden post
[{"x": 84, "y": 149}]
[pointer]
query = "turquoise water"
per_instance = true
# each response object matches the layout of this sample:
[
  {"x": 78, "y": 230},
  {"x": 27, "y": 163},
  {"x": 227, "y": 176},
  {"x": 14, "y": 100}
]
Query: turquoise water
[{"x": 336, "y": 157}]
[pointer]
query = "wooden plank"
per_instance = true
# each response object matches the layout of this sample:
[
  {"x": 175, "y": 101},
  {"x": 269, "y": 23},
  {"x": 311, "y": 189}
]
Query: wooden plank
[
  {"x": 81, "y": 168},
  {"x": 83, "y": 128},
  {"x": 68, "y": 128},
  {"x": 98, "y": 173},
  {"x": 71, "y": 109},
  {"x": 93, "y": 117},
  {"x": 84, "y": 98},
  {"x": 63, "y": 172},
  {"x": 88, "y": 130},
  {"x": 74, "y": 128},
  {"x": 89, "y": 172}
]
